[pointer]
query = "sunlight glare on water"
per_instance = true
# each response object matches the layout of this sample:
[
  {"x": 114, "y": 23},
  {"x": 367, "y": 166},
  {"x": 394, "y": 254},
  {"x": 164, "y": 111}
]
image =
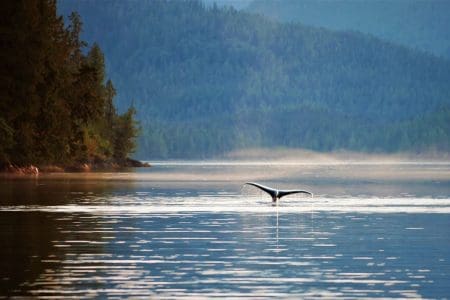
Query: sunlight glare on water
[{"x": 358, "y": 237}]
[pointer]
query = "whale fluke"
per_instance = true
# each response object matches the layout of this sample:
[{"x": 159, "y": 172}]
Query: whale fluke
[{"x": 277, "y": 194}]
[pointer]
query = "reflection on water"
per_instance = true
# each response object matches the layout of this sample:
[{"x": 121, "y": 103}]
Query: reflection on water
[{"x": 92, "y": 237}]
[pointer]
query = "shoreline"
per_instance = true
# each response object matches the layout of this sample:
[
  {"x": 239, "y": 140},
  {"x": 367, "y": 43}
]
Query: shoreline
[{"x": 85, "y": 167}]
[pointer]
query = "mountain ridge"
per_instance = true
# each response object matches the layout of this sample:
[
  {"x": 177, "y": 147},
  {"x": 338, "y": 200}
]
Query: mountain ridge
[
  {"x": 207, "y": 80},
  {"x": 416, "y": 24}
]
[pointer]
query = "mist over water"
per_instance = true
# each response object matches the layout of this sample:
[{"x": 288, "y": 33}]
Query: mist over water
[{"x": 193, "y": 230}]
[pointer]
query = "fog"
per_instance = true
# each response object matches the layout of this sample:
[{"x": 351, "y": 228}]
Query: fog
[
  {"x": 283, "y": 155},
  {"x": 282, "y": 168}
]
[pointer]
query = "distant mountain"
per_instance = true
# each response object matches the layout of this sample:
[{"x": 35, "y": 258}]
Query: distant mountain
[
  {"x": 237, "y": 4},
  {"x": 206, "y": 80},
  {"x": 421, "y": 24}
]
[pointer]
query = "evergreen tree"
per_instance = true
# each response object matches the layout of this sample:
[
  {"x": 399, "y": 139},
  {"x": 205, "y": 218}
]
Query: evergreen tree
[
  {"x": 125, "y": 132},
  {"x": 209, "y": 80},
  {"x": 55, "y": 107}
]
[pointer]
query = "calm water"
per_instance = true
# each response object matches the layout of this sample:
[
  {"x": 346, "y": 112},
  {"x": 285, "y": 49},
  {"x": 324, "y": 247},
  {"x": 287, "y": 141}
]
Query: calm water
[{"x": 182, "y": 230}]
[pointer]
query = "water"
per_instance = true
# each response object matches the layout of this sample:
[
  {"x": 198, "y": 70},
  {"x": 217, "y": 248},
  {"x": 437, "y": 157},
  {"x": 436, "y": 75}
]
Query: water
[{"x": 191, "y": 230}]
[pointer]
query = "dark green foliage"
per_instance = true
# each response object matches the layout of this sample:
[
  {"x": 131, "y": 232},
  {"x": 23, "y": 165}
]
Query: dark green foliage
[
  {"x": 210, "y": 80},
  {"x": 53, "y": 98},
  {"x": 125, "y": 132},
  {"x": 6, "y": 140}
]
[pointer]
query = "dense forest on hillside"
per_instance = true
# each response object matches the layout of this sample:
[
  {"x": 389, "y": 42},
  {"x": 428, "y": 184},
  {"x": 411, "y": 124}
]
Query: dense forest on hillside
[
  {"x": 206, "y": 80},
  {"x": 56, "y": 106},
  {"x": 421, "y": 24}
]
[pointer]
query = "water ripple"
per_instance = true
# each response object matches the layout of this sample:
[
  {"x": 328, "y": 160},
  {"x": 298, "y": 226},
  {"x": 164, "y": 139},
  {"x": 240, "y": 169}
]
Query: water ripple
[
  {"x": 250, "y": 205},
  {"x": 141, "y": 240}
]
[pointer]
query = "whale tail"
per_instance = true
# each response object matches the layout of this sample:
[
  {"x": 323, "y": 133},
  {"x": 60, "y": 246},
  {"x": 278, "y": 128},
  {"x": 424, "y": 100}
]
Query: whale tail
[
  {"x": 272, "y": 192},
  {"x": 289, "y": 192},
  {"x": 277, "y": 194}
]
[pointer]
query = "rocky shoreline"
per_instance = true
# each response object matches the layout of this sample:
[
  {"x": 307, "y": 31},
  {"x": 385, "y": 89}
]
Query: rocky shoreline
[{"x": 31, "y": 169}]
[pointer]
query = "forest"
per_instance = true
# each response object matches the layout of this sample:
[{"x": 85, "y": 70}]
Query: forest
[
  {"x": 57, "y": 105},
  {"x": 206, "y": 80},
  {"x": 417, "y": 24}
]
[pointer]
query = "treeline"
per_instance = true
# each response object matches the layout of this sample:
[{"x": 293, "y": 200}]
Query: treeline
[
  {"x": 209, "y": 80},
  {"x": 56, "y": 106}
]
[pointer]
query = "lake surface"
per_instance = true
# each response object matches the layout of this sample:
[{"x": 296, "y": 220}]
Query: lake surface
[{"x": 191, "y": 230}]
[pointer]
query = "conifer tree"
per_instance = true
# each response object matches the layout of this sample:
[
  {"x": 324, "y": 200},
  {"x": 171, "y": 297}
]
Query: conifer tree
[
  {"x": 125, "y": 132},
  {"x": 55, "y": 107}
]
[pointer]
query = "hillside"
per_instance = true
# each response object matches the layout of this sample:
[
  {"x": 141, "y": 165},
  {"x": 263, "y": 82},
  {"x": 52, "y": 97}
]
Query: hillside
[
  {"x": 209, "y": 80},
  {"x": 421, "y": 24}
]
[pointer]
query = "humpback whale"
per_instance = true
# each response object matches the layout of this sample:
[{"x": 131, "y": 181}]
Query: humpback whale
[{"x": 277, "y": 194}]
